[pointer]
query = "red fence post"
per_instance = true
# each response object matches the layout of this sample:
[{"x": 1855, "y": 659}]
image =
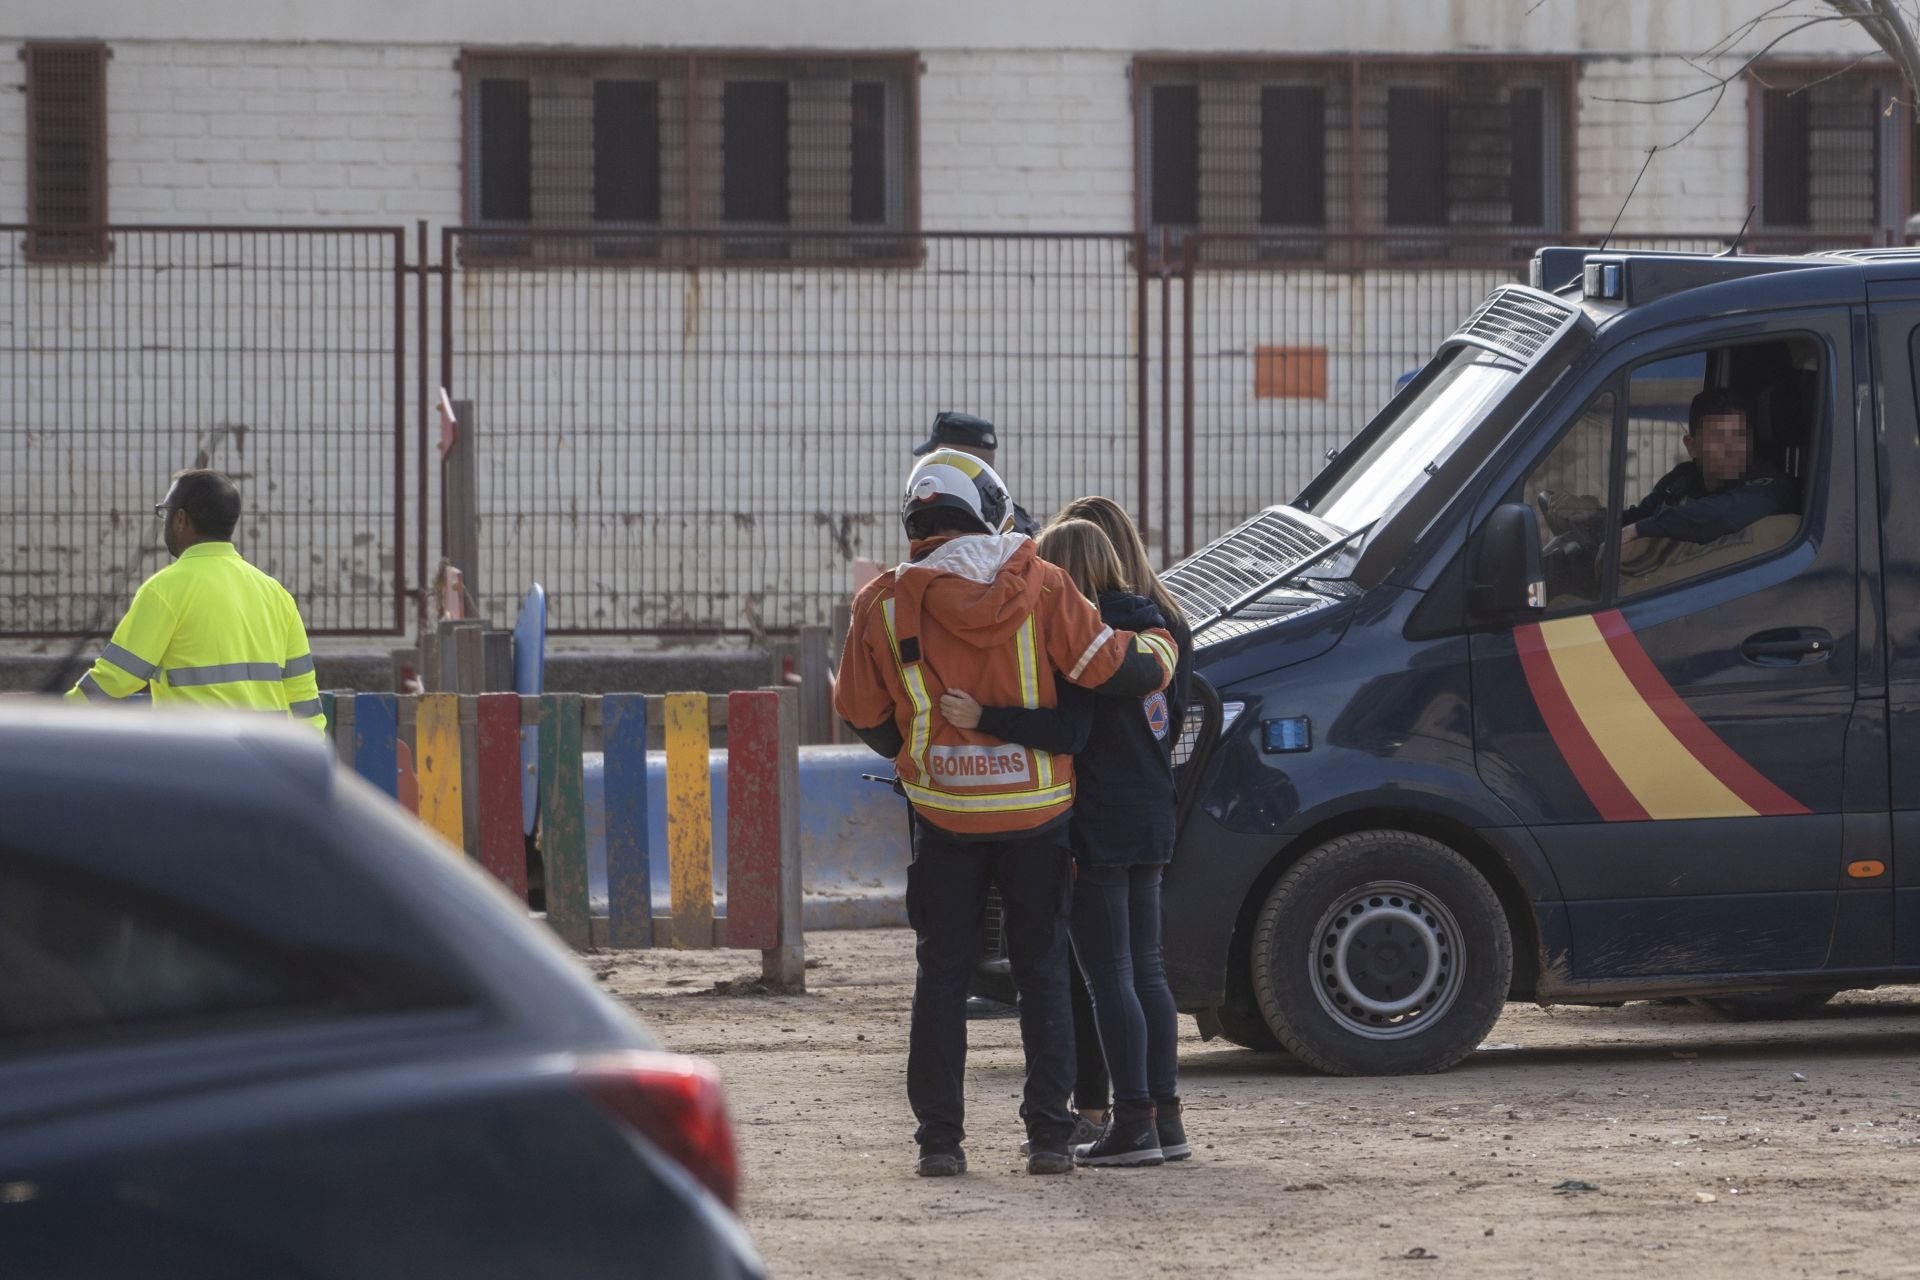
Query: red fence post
[
  {"x": 764, "y": 891},
  {"x": 753, "y": 820},
  {"x": 503, "y": 850}
]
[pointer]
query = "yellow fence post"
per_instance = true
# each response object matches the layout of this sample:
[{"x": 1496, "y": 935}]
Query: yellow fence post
[
  {"x": 689, "y": 819},
  {"x": 437, "y": 739}
]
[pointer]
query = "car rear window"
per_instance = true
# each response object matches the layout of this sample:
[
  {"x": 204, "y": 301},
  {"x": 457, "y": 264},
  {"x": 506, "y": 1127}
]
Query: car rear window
[{"x": 83, "y": 957}]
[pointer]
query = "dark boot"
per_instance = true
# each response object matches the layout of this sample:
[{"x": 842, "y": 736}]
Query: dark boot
[
  {"x": 941, "y": 1162},
  {"x": 1173, "y": 1134},
  {"x": 1130, "y": 1140}
]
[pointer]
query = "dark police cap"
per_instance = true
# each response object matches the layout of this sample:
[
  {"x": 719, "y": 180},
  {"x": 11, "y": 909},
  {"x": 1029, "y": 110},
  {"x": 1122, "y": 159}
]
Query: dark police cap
[{"x": 950, "y": 428}]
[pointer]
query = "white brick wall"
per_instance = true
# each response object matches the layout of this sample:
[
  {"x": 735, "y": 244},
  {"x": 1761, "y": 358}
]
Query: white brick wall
[
  {"x": 288, "y": 133},
  {"x": 1026, "y": 141}
]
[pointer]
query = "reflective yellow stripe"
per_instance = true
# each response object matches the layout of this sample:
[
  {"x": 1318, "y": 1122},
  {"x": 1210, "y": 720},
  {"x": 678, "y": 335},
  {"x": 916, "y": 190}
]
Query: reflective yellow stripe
[
  {"x": 1030, "y": 698},
  {"x": 1161, "y": 649},
  {"x": 1029, "y": 666},
  {"x": 917, "y": 691},
  {"x": 1014, "y": 803}
]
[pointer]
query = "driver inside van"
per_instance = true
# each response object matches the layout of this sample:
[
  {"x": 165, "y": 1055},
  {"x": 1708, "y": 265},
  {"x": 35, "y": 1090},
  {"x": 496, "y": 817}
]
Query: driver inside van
[{"x": 1722, "y": 487}]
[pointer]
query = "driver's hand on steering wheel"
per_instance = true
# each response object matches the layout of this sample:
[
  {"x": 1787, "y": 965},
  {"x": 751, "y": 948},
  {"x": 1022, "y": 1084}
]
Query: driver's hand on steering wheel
[
  {"x": 1574, "y": 508},
  {"x": 1629, "y": 534}
]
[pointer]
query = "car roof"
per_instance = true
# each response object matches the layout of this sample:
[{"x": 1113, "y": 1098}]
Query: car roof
[
  {"x": 1650, "y": 288},
  {"x": 227, "y": 754}
]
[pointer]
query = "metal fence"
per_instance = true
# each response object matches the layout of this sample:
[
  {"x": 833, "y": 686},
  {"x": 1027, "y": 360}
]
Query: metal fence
[
  {"x": 272, "y": 353},
  {"x": 672, "y": 441},
  {"x": 709, "y": 448}
]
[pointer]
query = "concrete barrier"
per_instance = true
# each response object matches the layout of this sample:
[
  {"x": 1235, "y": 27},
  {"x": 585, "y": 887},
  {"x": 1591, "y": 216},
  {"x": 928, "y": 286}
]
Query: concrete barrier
[{"x": 853, "y": 837}]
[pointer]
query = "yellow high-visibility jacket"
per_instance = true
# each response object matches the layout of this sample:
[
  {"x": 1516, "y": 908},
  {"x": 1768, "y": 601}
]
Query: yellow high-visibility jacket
[{"x": 210, "y": 630}]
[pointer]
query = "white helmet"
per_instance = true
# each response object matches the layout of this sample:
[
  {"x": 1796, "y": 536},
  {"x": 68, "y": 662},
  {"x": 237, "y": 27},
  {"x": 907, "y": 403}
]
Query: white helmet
[{"x": 950, "y": 478}]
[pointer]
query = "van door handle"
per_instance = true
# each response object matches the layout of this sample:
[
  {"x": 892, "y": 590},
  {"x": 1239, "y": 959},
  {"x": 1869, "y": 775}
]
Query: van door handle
[{"x": 1788, "y": 647}]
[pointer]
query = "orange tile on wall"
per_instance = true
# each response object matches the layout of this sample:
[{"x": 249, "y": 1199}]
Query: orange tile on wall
[{"x": 1290, "y": 373}]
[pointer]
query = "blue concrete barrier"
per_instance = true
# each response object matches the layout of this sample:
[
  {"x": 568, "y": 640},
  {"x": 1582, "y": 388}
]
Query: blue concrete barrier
[{"x": 853, "y": 837}]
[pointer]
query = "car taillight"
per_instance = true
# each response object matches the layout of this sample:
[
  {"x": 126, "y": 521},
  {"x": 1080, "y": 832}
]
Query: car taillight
[{"x": 677, "y": 1104}]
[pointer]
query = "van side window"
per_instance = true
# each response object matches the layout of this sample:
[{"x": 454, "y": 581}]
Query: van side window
[
  {"x": 1718, "y": 447},
  {"x": 1569, "y": 489}
]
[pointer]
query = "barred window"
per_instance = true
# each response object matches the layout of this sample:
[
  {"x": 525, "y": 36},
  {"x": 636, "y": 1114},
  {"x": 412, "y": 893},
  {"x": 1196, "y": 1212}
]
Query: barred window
[
  {"x": 738, "y": 157},
  {"x": 66, "y": 150},
  {"x": 1831, "y": 158},
  {"x": 1273, "y": 160}
]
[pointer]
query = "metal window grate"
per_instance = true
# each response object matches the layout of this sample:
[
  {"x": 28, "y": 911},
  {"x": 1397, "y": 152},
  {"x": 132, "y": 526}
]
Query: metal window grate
[
  {"x": 1256, "y": 552},
  {"x": 67, "y": 150},
  {"x": 1830, "y": 153},
  {"x": 1516, "y": 322},
  {"x": 762, "y": 146},
  {"x": 1353, "y": 160}
]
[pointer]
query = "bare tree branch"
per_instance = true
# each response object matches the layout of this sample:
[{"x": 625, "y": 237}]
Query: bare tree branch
[{"x": 1719, "y": 84}]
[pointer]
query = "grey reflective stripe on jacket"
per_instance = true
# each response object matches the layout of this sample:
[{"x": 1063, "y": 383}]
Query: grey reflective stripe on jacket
[
  {"x": 305, "y": 710},
  {"x": 224, "y": 673},
  {"x": 131, "y": 663}
]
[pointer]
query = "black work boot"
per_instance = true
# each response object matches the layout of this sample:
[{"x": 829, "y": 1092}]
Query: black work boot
[
  {"x": 941, "y": 1162},
  {"x": 1049, "y": 1157},
  {"x": 1129, "y": 1141},
  {"x": 1173, "y": 1134}
]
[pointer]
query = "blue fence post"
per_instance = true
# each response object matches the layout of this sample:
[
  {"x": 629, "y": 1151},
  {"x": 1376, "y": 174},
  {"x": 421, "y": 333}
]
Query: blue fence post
[
  {"x": 376, "y": 731},
  {"x": 623, "y": 736}
]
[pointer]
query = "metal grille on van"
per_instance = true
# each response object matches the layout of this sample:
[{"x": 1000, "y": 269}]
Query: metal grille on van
[
  {"x": 1190, "y": 729},
  {"x": 1516, "y": 322},
  {"x": 1225, "y": 570}
]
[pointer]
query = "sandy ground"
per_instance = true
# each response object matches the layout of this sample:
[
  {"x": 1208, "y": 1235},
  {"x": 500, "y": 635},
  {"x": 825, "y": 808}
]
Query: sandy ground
[{"x": 1707, "y": 1153}]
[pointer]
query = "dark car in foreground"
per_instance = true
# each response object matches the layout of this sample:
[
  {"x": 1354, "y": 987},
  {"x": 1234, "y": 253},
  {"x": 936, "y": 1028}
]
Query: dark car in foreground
[{"x": 255, "y": 1021}]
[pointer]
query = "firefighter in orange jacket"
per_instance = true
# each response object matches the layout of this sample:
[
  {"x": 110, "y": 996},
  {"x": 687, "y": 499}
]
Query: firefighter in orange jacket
[{"x": 976, "y": 609}]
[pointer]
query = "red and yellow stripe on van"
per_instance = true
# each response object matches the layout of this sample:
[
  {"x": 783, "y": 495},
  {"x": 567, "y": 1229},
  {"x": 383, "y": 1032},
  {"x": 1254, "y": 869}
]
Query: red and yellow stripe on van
[{"x": 1637, "y": 749}]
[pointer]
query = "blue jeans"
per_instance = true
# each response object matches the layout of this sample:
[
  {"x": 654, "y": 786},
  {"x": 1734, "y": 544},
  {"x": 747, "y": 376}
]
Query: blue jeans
[{"x": 1116, "y": 935}]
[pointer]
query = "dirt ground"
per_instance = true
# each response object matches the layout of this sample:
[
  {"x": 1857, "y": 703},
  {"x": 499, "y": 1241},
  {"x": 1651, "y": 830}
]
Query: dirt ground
[{"x": 1711, "y": 1149}]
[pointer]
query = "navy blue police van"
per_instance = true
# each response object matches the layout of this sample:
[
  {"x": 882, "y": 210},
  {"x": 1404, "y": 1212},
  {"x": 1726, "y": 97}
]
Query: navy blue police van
[{"x": 1539, "y": 693}]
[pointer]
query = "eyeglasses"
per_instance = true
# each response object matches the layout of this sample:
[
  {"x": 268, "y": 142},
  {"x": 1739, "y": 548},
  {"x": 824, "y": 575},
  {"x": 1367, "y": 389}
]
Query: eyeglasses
[{"x": 160, "y": 510}]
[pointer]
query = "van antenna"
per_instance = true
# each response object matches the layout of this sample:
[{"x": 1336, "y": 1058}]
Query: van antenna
[
  {"x": 1739, "y": 235},
  {"x": 1608, "y": 238}
]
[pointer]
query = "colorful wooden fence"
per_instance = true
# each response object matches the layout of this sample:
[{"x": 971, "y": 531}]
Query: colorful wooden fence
[{"x": 455, "y": 761}]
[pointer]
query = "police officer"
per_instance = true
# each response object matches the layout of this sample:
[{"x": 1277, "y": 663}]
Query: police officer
[
  {"x": 208, "y": 630},
  {"x": 1721, "y": 488},
  {"x": 976, "y": 436}
]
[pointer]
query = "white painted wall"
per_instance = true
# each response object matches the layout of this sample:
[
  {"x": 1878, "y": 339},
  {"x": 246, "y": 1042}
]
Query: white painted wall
[
  {"x": 1302, "y": 26},
  {"x": 227, "y": 112}
]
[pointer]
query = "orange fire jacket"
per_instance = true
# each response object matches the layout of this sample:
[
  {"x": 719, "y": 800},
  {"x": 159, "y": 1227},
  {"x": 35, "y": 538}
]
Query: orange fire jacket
[{"x": 985, "y": 614}]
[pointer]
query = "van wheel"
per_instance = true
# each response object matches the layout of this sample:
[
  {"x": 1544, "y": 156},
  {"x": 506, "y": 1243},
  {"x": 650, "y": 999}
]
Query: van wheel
[
  {"x": 1381, "y": 953},
  {"x": 1766, "y": 1006}
]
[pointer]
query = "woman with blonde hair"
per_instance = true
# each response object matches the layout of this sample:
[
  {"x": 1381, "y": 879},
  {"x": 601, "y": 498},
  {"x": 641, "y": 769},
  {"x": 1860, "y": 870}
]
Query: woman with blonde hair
[{"x": 1122, "y": 838}]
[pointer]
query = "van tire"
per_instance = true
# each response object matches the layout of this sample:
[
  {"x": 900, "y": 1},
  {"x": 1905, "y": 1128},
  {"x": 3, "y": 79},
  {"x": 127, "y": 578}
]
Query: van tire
[{"x": 1374, "y": 922}]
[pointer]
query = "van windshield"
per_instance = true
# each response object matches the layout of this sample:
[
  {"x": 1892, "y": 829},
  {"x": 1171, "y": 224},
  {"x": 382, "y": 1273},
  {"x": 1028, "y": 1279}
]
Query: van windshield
[{"x": 1368, "y": 483}]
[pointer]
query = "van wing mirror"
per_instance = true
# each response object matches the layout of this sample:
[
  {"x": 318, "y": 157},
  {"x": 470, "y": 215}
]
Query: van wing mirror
[{"x": 1508, "y": 573}]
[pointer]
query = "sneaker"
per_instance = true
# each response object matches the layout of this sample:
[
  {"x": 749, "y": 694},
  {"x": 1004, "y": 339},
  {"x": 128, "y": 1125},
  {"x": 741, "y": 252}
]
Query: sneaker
[
  {"x": 1084, "y": 1131},
  {"x": 1050, "y": 1159},
  {"x": 1130, "y": 1141},
  {"x": 942, "y": 1162},
  {"x": 1173, "y": 1134}
]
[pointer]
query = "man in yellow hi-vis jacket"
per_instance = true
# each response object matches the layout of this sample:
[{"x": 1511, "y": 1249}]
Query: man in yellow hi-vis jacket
[{"x": 209, "y": 630}]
